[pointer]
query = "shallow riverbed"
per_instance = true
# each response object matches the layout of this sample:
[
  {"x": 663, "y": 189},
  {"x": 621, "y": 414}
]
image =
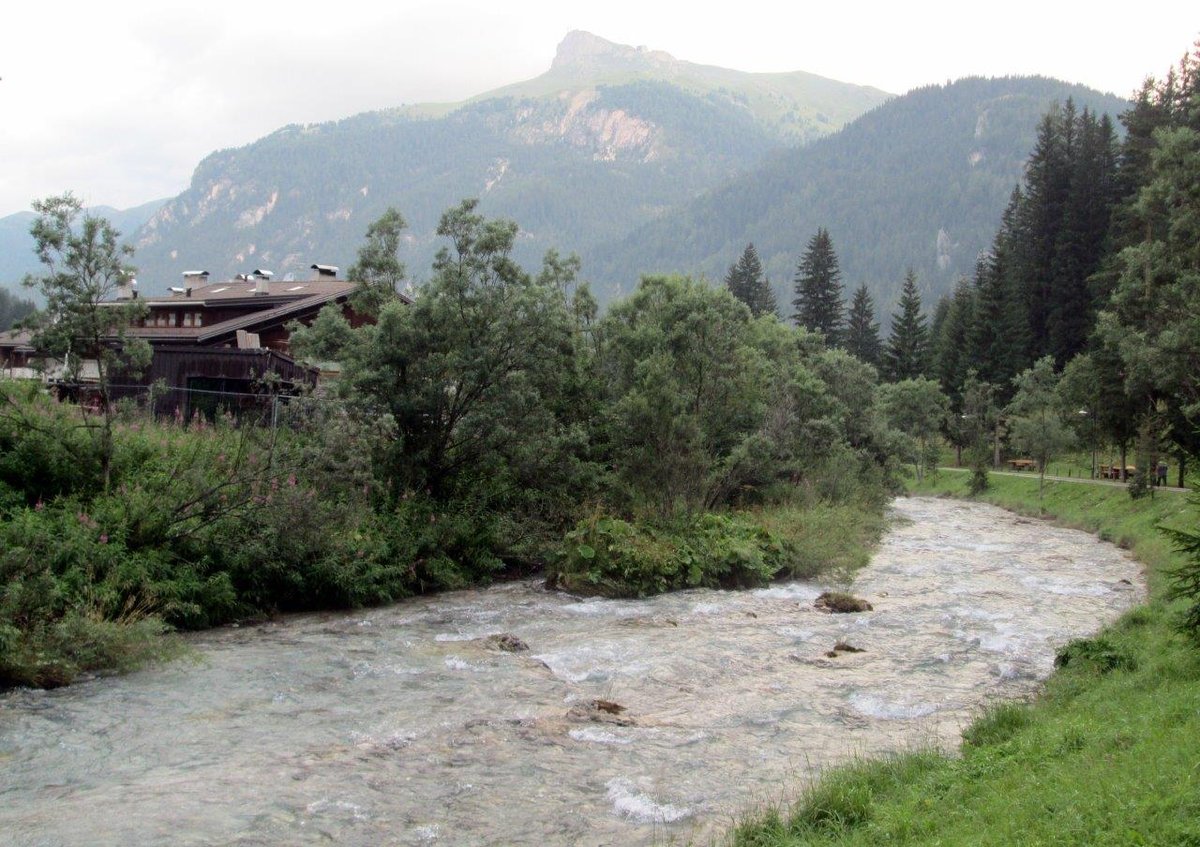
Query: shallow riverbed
[{"x": 405, "y": 726}]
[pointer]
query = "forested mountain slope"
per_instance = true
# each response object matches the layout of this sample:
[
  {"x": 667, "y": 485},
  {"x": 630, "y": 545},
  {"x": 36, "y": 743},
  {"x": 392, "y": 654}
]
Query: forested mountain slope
[
  {"x": 919, "y": 181},
  {"x": 609, "y": 138}
]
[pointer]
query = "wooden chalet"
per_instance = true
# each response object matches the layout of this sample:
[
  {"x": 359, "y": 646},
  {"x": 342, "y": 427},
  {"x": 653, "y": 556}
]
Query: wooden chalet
[{"x": 223, "y": 339}]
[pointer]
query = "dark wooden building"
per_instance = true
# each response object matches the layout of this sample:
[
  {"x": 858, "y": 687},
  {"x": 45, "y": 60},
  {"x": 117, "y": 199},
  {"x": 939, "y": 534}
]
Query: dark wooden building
[{"x": 226, "y": 339}]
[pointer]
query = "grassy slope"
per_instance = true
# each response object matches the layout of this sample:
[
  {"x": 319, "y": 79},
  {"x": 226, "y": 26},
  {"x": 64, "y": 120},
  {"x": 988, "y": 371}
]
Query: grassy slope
[{"x": 1099, "y": 758}]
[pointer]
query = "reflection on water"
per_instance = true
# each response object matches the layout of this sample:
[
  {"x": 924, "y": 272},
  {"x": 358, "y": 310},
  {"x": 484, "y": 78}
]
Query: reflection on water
[{"x": 405, "y": 726}]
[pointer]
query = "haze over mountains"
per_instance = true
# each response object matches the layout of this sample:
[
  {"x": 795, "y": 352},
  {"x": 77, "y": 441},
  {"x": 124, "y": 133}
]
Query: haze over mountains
[{"x": 637, "y": 161}]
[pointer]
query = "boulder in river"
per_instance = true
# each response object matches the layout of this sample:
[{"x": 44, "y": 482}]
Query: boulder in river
[
  {"x": 842, "y": 603},
  {"x": 507, "y": 642},
  {"x": 600, "y": 711},
  {"x": 843, "y": 647}
]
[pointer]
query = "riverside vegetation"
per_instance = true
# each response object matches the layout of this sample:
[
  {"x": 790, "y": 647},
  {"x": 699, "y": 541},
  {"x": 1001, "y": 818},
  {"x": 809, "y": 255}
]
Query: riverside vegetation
[{"x": 491, "y": 427}]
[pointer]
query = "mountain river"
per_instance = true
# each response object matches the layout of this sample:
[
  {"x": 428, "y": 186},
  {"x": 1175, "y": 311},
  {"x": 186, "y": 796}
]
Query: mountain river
[{"x": 407, "y": 725}]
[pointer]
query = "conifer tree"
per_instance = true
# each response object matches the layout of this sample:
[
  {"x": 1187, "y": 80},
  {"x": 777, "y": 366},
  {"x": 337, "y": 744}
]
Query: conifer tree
[
  {"x": 747, "y": 283},
  {"x": 907, "y": 353},
  {"x": 998, "y": 337},
  {"x": 951, "y": 356},
  {"x": 818, "y": 288},
  {"x": 862, "y": 332}
]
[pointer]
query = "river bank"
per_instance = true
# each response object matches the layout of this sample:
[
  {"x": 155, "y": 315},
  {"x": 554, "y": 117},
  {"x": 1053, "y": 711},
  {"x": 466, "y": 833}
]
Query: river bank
[
  {"x": 628, "y": 722},
  {"x": 1106, "y": 753}
]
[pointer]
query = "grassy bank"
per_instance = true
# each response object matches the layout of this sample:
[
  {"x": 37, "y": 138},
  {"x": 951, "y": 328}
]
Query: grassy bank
[{"x": 1107, "y": 754}]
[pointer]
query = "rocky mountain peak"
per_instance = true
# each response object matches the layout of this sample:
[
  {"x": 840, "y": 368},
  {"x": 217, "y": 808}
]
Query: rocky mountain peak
[{"x": 581, "y": 50}]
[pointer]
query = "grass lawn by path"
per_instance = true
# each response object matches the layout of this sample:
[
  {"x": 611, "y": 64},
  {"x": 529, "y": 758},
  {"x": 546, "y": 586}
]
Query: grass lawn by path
[{"x": 1108, "y": 754}]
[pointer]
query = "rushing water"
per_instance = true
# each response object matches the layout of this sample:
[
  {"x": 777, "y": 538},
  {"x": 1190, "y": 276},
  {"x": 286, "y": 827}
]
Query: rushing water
[{"x": 405, "y": 725}]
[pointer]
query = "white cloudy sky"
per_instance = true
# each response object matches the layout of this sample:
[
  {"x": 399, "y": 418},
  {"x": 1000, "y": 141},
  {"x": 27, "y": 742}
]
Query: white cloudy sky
[{"x": 119, "y": 100}]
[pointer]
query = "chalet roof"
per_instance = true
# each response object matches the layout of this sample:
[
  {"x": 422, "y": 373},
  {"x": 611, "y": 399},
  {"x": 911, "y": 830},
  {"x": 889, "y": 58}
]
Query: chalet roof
[
  {"x": 234, "y": 290},
  {"x": 18, "y": 340}
]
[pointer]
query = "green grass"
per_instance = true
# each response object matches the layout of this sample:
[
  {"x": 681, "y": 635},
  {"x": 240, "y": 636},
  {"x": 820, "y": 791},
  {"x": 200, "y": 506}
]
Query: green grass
[
  {"x": 1078, "y": 464},
  {"x": 1108, "y": 754}
]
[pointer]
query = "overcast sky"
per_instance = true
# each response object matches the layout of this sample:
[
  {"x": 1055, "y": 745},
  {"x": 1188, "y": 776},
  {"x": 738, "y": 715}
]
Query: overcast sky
[{"x": 118, "y": 101}]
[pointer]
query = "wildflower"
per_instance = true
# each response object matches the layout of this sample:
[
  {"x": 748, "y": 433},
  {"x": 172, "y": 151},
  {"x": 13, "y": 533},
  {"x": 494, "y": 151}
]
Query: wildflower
[
  {"x": 104, "y": 538},
  {"x": 39, "y": 505}
]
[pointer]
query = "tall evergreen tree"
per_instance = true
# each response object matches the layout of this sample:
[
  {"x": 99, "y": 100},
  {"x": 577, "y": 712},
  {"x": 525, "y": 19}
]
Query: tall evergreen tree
[
  {"x": 1081, "y": 239},
  {"x": 998, "y": 337},
  {"x": 951, "y": 356},
  {"x": 862, "y": 332},
  {"x": 1047, "y": 184},
  {"x": 907, "y": 353},
  {"x": 747, "y": 283},
  {"x": 818, "y": 287}
]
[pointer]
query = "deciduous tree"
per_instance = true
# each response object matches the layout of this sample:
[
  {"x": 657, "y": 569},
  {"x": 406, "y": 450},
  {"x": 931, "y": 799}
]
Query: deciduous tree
[{"x": 83, "y": 322}]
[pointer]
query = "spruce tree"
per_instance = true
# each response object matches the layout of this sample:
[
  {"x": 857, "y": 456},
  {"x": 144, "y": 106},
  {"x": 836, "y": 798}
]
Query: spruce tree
[
  {"x": 818, "y": 287},
  {"x": 907, "y": 353},
  {"x": 747, "y": 283},
  {"x": 862, "y": 332},
  {"x": 998, "y": 338},
  {"x": 951, "y": 356}
]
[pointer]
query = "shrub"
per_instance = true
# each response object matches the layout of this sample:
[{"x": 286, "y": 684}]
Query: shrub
[{"x": 612, "y": 557}]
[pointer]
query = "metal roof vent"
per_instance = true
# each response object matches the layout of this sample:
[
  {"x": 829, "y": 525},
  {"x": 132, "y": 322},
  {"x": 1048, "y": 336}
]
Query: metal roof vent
[
  {"x": 262, "y": 273},
  {"x": 325, "y": 271}
]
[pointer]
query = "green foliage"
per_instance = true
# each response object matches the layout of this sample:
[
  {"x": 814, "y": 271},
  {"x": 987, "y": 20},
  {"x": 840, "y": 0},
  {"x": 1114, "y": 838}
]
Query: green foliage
[
  {"x": 1185, "y": 578},
  {"x": 862, "y": 331},
  {"x": 1100, "y": 653},
  {"x": 614, "y": 558},
  {"x": 85, "y": 266},
  {"x": 997, "y": 725},
  {"x": 13, "y": 309},
  {"x": 1036, "y": 415},
  {"x": 916, "y": 408},
  {"x": 906, "y": 355},
  {"x": 379, "y": 270},
  {"x": 747, "y": 283},
  {"x": 818, "y": 289}
]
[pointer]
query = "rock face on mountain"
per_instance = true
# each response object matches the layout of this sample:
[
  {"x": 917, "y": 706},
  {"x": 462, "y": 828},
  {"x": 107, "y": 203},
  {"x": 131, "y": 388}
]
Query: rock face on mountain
[{"x": 609, "y": 138}]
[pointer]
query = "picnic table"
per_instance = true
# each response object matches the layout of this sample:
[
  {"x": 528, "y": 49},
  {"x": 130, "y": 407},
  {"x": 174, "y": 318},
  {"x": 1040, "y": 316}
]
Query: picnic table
[
  {"x": 1023, "y": 464},
  {"x": 1114, "y": 471}
]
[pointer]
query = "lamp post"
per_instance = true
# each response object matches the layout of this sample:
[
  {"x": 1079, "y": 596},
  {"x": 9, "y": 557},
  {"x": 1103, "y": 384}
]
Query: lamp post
[{"x": 1091, "y": 423}]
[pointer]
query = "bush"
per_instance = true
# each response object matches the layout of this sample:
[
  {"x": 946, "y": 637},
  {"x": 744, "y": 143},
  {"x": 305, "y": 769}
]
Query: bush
[
  {"x": 614, "y": 558},
  {"x": 1099, "y": 653}
]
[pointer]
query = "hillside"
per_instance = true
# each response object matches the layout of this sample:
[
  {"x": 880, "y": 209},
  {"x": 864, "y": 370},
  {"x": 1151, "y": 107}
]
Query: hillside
[
  {"x": 919, "y": 181},
  {"x": 16, "y": 245},
  {"x": 609, "y": 138}
]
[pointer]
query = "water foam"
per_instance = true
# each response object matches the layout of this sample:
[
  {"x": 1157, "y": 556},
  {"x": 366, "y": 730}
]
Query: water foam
[{"x": 630, "y": 803}]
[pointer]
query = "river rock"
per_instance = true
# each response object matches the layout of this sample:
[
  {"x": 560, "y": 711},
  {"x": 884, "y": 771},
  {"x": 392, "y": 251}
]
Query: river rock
[
  {"x": 843, "y": 647},
  {"x": 600, "y": 711},
  {"x": 841, "y": 603},
  {"x": 507, "y": 642}
]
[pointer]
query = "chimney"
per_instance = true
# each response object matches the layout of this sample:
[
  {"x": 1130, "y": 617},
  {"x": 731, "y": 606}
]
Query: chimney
[
  {"x": 325, "y": 271},
  {"x": 126, "y": 291},
  {"x": 193, "y": 278},
  {"x": 261, "y": 279}
]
